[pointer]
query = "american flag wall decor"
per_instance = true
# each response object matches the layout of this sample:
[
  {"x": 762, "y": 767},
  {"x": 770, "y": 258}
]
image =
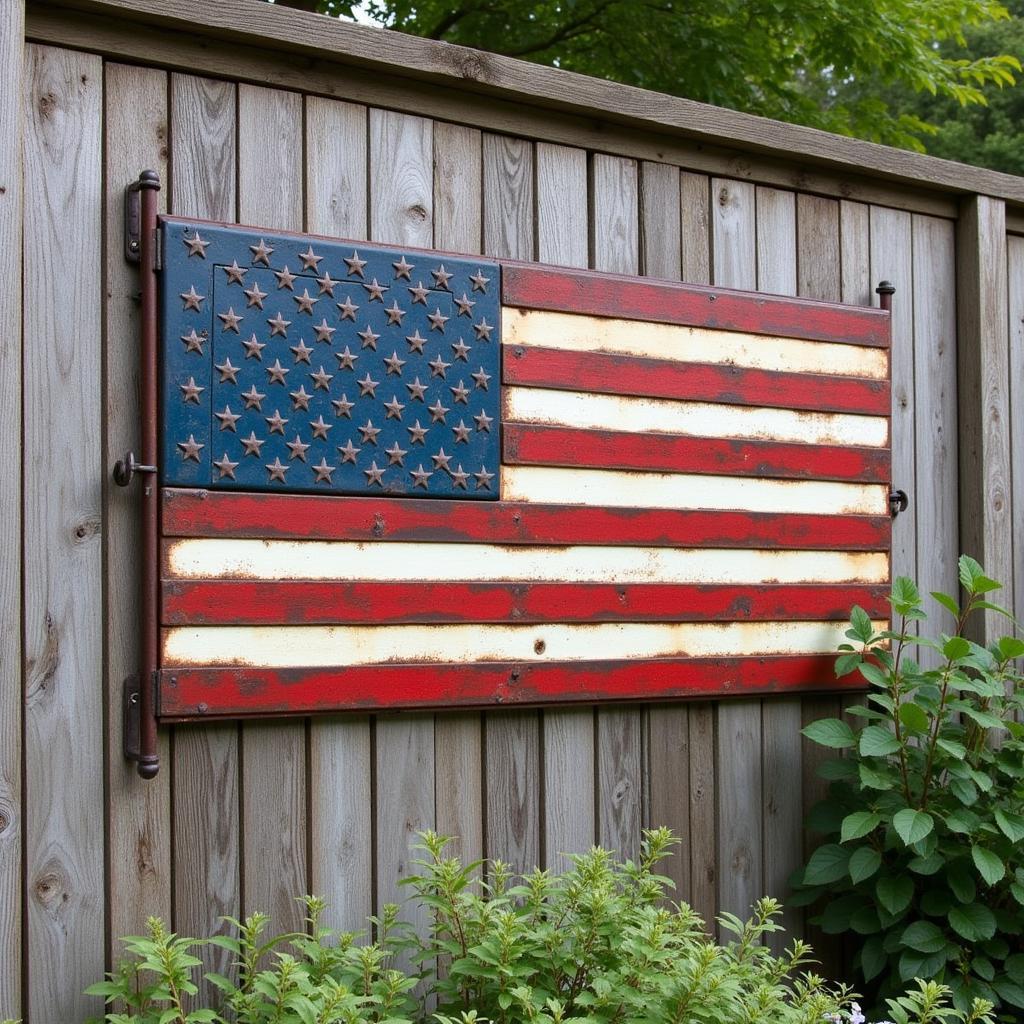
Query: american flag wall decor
[{"x": 395, "y": 479}]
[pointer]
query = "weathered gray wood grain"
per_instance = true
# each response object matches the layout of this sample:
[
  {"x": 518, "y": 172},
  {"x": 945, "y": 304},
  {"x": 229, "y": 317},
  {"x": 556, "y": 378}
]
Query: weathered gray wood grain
[
  {"x": 568, "y": 734},
  {"x": 207, "y": 857},
  {"x": 935, "y": 507},
  {"x": 660, "y": 221},
  {"x": 273, "y": 765},
  {"x": 695, "y": 227},
  {"x": 820, "y": 253},
  {"x": 986, "y": 513},
  {"x": 138, "y": 812},
  {"x": 458, "y": 738},
  {"x": 12, "y": 27},
  {"x": 340, "y": 751},
  {"x": 738, "y": 746},
  {"x": 63, "y": 569},
  {"x": 855, "y": 239},
  {"x": 892, "y": 260},
  {"x": 1015, "y": 286},
  {"x": 513, "y": 817},
  {"x": 401, "y": 213},
  {"x": 508, "y": 185}
]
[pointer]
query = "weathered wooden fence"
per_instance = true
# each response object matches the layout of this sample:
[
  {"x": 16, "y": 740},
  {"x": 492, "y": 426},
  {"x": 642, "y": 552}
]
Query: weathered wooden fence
[{"x": 276, "y": 118}]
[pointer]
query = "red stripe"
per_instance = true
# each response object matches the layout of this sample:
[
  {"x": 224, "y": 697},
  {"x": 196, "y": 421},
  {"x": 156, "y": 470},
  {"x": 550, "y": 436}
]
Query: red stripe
[
  {"x": 705, "y": 382},
  {"x": 598, "y": 294},
  {"x": 250, "y": 602},
  {"x": 530, "y": 445},
  {"x": 244, "y": 692},
  {"x": 196, "y": 513}
]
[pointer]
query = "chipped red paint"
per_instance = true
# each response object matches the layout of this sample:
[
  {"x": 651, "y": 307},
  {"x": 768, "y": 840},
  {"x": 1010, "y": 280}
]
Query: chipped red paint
[
  {"x": 534, "y": 445},
  {"x": 314, "y": 602},
  {"x": 612, "y": 295},
  {"x": 697, "y": 382},
  {"x": 245, "y": 692},
  {"x": 197, "y": 513}
]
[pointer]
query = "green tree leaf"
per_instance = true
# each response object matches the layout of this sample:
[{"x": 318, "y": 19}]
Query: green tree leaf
[
  {"x": 858, "y": 824},
  {"x": 989, "y": 864},
  {"x": 877, "y": 741},
  {"x": 1009, "y": 992},
  {"x": 894, "y": 892},
  {"x": 861, "y": 628},
  {"x": 863, "y": 864},
  {"x": 830, "y": 732},
  {"x": 828, "y": 863},
  {"x": 914, "y": 717},
  {"x": 973, "y": 922},
  {"x": 872, "y": 958},
  {"x": 924, "y": 936},
  {"x": 961, "y": 882},
  {"x": 912, "y": 826},
  {"x": 1011, "y": 825}
]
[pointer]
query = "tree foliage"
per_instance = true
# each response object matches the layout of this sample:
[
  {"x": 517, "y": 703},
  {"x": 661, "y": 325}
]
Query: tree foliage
[{"x": 815, "y": 62}]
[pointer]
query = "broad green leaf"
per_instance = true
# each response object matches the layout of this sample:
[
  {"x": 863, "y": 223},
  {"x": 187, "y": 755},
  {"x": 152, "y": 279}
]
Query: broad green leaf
[
  {"x": 924, "y": 936},
  {"x": 920, "y": 965},
  {"x": 913, "y": 717},
  {"x": 827, "y": 864},
  {"x": 1010, "y": 647},
  {"x": 936, "y": 902},
  {"x": 983, "y": 967},
  {"x": 1018, "y": 892},
  {"x": 873, "y": 674},
  {"x": 863, "y": 864},
  {"x": 1009, "y": 992},
  {"x": 872, "y": 958},
  {"x": 877, "y": 741},
  {"x": 973, "y": 577},
  {"x": 865, "y": 920},
  {"x": 964, "y": 790},
  {"x": 894, "y": 892},
  {"x": 961, "y": 882},
  {"x": 962, "y": 821},
  {"x": 871, "y": 778},
  {"x": 837, "y": 769},
  {"x": 860, "y": 625},
  {"x": 955, "y": 647},
  {"x": 836, "y": 918},
  {"x": 973, "y": 922},
  {"x": 847, "y": 663},
  {"x": 912, "y": 826},
  {"x": 989, "y": 864},
  {"x": 1014, "y": 968},
  {"x": 983, "y": 718},
  {"x": 858, "y": 824},
  {"x": 951, "y": 747},
  {"x": 1011, "y": 825},
  {"x": 830, "y": 732},
  {"x": 904, "y": 596},
  {"x": 947, "y": 602},
  {"x": 927, "y": 864}
]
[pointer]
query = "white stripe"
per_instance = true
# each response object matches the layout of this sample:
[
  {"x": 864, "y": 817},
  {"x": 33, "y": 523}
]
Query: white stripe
[
  {"x": 692, "y": 344},
  {"x": 555, "y": 485},
  {"x": 283, "y": 646},
  {"x": 349, "y": 560},
  {"x": 694, "y": 419}
]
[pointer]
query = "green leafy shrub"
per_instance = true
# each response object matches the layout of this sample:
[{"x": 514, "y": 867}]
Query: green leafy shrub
[
  {"x": 596, "y": 944},
  {"x": 925, "y": 813}
]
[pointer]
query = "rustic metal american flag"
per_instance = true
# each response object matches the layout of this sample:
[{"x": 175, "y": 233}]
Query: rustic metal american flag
[{"x": 686, "y": 489}]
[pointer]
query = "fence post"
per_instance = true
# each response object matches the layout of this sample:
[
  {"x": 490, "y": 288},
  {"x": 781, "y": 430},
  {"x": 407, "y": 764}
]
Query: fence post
[{"x": 986, "y": 520}]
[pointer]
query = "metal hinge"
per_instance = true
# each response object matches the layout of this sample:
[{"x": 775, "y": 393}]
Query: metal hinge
[
  {"x": 898, "y": 502},
  {"x": 131, "y": 707},
  {"x": 133, "y": 215}
]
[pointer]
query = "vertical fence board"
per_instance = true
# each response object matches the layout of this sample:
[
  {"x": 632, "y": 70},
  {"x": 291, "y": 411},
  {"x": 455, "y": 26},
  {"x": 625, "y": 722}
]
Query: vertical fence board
[
  {"x": 12, "y": 27},
  {"x": 660, "y": 212},
  {"x": 274, "y": 869},
  {"x": 512, "y": 738},
  {"x": 820, "y": 262},
  {"x": 702, "y": 840},
  {"x": 1015, "y": 275},
  {"x": 340, "y": 752},
  {"x": 568, "y": 747},
  {"x": 666, "y": 766},
  {"x": 615, "y": 247},
  {"x": 401, "y": 213},
  {"x": 891, "y": 260},
  {"x": 695, "y": 227},
  {"x": 855, "y": 242},
  {"x": 62, "y": 445},
  {"x": 935, "y": 485},
  {"x": 781, "y": 850},
  {"x": 458, "y": 738},
  {"x": 986, "y": 513},
  {"x": 139, "y": 813},
  {"x": 207, "y": 859},
  {"x": 508, "y": 197},
  {"x": 738, "y": 747}
]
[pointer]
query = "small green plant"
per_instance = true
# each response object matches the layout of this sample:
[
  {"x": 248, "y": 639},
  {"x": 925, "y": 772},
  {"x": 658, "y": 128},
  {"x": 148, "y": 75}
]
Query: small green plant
[{"x": 924, "y": 819}]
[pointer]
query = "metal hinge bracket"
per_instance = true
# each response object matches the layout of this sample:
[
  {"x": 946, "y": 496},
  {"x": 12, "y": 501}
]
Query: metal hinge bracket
[
  {"x": 133, "y": 214},
  {"x": 899, "y": 502},
  {"x": 131, "y": 708}
]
